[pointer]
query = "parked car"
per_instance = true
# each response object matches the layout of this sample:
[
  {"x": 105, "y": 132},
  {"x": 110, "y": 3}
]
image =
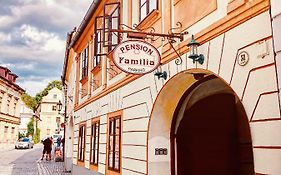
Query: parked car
[{"x": 24, "y": 143}]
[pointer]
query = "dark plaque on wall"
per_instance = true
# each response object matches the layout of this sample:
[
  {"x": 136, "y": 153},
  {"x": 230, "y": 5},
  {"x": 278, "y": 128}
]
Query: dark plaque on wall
[{"x": 161, "y": 151}]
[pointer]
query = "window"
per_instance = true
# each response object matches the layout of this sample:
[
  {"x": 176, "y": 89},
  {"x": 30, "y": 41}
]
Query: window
[
  {"x": 54, "y": 108},
  {"x": 8, "y": 103},
  {"x": 13, "y": 130},
  {"x": 147, "y": 6},
  {"x": 84, "y": 58},
  {"x": 95, "y": 128},
  {"x": 81, "y": 143},
  {"x": 98, "y": 50},
  {"x": 111, "y": 20},
  {"x": 55, "y": 96},
  {"x": 104, "y": 38},
  {"x": 58, "y": 120},
  {"x": 114, "y": 138}
]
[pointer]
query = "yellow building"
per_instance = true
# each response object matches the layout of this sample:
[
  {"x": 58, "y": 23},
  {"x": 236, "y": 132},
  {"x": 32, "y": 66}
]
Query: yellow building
[
  {"x": 50, "y": 118},
  {"x": 218, "y": 113},
  {"x": 10, "y": 94}
]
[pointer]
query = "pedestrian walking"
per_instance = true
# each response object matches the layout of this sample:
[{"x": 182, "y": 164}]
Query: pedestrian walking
[{"x": 47, "y": 149}]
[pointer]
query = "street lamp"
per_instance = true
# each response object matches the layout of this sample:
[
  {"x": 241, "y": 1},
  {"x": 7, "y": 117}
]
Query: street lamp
[
  {"x": 193, "y": 45},
  {"x": 59, "y": 105}
]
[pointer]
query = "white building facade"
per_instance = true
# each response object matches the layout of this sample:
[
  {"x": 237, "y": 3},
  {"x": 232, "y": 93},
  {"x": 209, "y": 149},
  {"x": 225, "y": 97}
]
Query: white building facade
[{"x": 50, "y": 118}]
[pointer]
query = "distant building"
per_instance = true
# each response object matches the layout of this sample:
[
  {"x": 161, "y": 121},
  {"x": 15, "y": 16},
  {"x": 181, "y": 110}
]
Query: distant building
[
  {"x": 50, "y": 119},
  {"x": 10, "y": 94},
  {"x": 26, "y": 115}
]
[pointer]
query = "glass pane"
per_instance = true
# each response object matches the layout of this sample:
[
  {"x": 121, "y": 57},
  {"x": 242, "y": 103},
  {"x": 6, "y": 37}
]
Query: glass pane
[
  {"x": 143, "y": 12},
  {"x": 96, "y": 156},
  {"x": 110, "y": 159},
  {"x": 152, "y": 5},
  {"x": 111, "y": 143},
  {"x": 92, "y": 157},
  {"x": 93, "y": 143},
  {"x": 117, "y": 125},
  {"x": 116, "y": 165},
  {"x": 111, "y": 127},
  {"x": 143, "y": 1},
  {"x": 117, "y": 142}
]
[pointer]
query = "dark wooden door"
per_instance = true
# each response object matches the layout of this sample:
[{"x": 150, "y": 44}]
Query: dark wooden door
[{"x": 206, "y": 139}]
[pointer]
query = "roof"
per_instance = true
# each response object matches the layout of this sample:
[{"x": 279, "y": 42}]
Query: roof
[{"x": 85, "y": 21}]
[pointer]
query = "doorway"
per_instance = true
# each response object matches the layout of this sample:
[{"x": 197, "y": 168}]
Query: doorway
[{"x": 210, "y": 133}]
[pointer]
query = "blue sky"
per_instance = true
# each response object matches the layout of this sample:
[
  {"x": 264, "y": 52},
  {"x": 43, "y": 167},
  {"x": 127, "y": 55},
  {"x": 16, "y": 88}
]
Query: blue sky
[{"x": 32, "y": 38}]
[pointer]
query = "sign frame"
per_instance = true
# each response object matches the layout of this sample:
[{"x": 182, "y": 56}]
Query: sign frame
[{"x": 157, "y": 54}]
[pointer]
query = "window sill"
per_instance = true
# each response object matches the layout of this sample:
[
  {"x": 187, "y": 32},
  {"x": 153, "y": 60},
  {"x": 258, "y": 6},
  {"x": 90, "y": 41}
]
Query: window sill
[
  {"x": 112, "y": 171},
  {"x": 81, "y": 163},
  {"x": 149, "y": 19},
  {"x": 94, "y": 167},
  {"x": 96, "y": 69},
  {"x": 84, "y": 80}
]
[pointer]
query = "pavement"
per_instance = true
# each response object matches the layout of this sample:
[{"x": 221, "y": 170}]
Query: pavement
[{"x": 28, "y": 162}]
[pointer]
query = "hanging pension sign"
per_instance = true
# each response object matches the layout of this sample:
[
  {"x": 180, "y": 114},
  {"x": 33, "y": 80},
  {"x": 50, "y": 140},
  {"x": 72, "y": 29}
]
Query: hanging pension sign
[{"x": 136, "y": 57}]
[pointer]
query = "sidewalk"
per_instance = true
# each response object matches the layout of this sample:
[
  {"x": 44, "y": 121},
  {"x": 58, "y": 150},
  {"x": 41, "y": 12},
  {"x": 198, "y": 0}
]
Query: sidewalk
[{"x": 51, "y": 168}]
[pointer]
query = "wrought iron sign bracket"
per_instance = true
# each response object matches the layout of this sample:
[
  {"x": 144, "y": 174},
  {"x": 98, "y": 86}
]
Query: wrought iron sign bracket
[{"x": 136, "y": 33}]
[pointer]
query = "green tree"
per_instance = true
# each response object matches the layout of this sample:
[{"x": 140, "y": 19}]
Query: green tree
[
  {"x": 29, "y": 101},
  {"x": 30, "y": 127},
  {"x": 33, "y": 102},
  {"x": 21, "y": 135}
]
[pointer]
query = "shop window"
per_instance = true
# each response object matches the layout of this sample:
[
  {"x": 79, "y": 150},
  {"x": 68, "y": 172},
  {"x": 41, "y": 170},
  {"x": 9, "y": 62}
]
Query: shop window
[
  {"x": 81, "y": 143},
  {"x": 84, "y": 57},
  {"x": 94, "y": 152},
  {"x": 146, "y": 7},
  {"x": 114, "y": 140}
]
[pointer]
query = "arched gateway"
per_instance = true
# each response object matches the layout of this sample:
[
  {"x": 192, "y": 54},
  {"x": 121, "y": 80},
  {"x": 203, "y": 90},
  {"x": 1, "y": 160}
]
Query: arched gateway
[{"x": 198, "y": 126}]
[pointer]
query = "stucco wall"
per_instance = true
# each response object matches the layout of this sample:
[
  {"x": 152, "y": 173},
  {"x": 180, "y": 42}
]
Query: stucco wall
[{"x": 255, "y": 84}]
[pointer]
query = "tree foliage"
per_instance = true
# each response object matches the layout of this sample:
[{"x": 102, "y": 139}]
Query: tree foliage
[
  {"x": 30, "y": 127},
  {"x": 29, "y": 101},
  {"x": 33, "y": 102}
]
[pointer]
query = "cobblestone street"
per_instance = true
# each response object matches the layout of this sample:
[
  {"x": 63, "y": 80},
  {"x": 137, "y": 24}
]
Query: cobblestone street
[{"x": 27, "y": 162}]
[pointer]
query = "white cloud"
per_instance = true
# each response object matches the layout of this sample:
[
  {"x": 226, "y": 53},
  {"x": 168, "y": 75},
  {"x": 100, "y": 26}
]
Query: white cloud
[
  {"x": 34, "y": 87},
  {"x": 32, "y": 38}
]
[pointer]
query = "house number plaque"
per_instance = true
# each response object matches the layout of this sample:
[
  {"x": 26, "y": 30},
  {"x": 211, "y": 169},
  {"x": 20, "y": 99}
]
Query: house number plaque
[{"x": 243, "y": 58}]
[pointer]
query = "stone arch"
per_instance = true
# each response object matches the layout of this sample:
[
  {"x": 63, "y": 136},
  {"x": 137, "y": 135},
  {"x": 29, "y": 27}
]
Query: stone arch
[{"x": 186, "y": 89}]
